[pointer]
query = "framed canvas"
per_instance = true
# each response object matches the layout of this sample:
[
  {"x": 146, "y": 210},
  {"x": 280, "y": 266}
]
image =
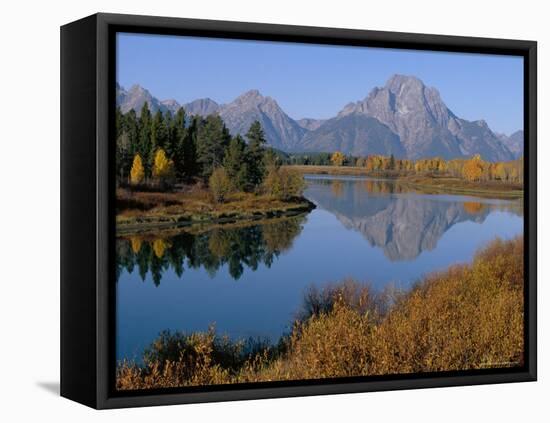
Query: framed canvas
[{"x": 257, "y": 211}]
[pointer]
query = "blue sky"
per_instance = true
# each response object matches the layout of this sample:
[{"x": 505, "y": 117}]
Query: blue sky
[{"x": 317, "y": 81}]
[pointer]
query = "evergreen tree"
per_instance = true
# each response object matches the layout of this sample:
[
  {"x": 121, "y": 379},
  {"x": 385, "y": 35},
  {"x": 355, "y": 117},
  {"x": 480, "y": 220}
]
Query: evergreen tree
[
  {"x": 131, "y": 127},
  {"x": 160, "y": 130},
  {"x": 190, "y": 147},
  {"x": 159, "y": 136},
  {"x": 212, "y": 140},
  {"x": 255, "y": 154},
  {"x": 235, "y": 163},
  {"x": 170, "y": 143},
  {"x": 145, "y": 146},
  {"x": 123, "y": 157},
  {"x": 119, "y": 123},
  {"x": 124, "y": 153},
  {"x": 178, "y": 135}
]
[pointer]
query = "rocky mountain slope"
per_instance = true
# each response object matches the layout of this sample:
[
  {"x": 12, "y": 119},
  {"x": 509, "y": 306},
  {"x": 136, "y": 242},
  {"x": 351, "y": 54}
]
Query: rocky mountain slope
[
  {"x": 135, "y": 98},
  {"x": 310, "y": 124},
  {"x": 514, "y": 142},
  {"x": 355, "y": 134},
  {"x": 202, "y": 107},
  {"x": 424, "y": 124},
  {"x": 281, "y": 131}
]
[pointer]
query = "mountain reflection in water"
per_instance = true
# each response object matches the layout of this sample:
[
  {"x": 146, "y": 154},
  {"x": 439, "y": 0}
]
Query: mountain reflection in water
[{"x": 391, "y": 217}]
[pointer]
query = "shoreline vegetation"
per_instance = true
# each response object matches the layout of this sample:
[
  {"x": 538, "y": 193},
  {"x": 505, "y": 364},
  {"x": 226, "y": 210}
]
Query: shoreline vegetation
[
  {"x": 426, "y": 183},
  {"x": 469, "y": 316},
  {"x": 146, "y": 211},
  {"x": 468, "y": 176}
]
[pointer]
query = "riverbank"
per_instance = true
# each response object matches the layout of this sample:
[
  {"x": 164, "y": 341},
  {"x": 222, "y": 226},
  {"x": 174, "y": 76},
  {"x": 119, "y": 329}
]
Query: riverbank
[
  {"x": 450, "y": 185},
  {"x": 144, "y": 211},
  {"x": 469, "y": 316},
  {"x": 342, "y": 171},
  {"x": 432, "y": 184}
]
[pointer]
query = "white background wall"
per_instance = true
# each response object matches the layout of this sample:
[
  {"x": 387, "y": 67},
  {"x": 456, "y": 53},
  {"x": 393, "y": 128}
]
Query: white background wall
[{"x": 29, "y": 240}]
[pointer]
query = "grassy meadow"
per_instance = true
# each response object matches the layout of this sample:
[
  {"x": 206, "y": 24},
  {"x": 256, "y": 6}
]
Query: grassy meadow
[{"x": 469, "y": 316}]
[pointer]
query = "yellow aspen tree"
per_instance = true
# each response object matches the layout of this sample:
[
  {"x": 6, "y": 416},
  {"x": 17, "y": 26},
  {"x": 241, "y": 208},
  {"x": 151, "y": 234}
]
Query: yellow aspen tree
[
  {"x": 337, "y": 158},
  {"x": 137, "y": 173},
  {"x": 499, "y": 171},
  {"x": 473, "y": 168},
  {"x": 163, "y": 167}
]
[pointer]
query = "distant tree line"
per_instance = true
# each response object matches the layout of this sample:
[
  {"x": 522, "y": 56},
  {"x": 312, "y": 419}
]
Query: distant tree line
[
  {"x": 471, "y": 169},
  {"x": 162, "y": 149},
  {"x": 316, "y": 159}
]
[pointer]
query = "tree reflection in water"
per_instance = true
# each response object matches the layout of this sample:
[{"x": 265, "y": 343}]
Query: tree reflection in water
[{"x": 238, "y": 247}]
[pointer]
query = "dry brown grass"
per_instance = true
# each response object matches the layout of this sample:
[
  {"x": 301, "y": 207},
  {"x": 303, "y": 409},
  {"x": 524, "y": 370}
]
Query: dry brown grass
[
  {"x": 447, "y": 184},
  {"x": 467, "y": 317},
  {"x": 194, "y": 204}
]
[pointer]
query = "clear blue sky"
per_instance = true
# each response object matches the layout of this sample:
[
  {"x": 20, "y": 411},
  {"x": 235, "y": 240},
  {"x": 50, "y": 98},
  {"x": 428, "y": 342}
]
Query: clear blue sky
[{"x": 317, "y": 81}]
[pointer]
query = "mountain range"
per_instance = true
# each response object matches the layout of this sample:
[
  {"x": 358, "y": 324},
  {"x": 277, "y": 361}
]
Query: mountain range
[{"x": 404, "y": 118}]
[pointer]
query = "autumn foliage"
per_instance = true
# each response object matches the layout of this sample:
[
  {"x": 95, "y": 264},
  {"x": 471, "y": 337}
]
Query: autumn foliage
[
  {"x": 283, "y": 183},
  {"x": 220, "y": 184},
  {"x": 137, "y": 173},
  {"x": 163, "y": 168},
  {"x": 337, "y": 158},
  {"x": 474, "y": 169}
]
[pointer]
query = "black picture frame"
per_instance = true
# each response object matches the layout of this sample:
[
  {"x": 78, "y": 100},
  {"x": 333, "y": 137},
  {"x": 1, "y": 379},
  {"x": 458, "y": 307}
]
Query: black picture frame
[{"x": 87, "y": 207}]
